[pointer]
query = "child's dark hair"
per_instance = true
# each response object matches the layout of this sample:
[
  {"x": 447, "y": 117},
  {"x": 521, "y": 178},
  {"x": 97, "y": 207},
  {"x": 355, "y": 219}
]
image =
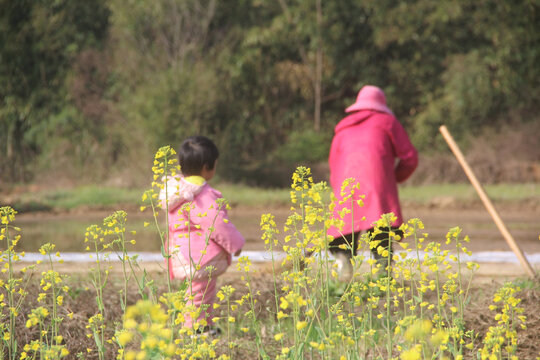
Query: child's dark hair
[{"x": 196, "y": 152}]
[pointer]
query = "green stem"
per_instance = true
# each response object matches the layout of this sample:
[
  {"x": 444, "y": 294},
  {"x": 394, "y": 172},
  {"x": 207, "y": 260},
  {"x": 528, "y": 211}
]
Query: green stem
[
  {"x": 11, "y": 298},
  {"x": 167, "y": 235},
  {"x": 260, "y": 347},
  {"x": 419, "y": 291},
  {"x": 388, "y": 282},
  {"x": 274, "y": 277}
]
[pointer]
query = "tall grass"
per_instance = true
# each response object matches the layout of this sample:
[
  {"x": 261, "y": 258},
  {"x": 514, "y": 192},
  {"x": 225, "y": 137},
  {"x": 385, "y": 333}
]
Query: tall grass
[
  {"x": 104, "y": 196},
  {"x": 71, "y": 198}
]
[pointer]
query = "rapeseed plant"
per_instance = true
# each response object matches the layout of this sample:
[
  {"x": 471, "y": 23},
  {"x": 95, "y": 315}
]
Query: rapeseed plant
[
  {"x": 99, "y": 274},
  {"x": 37, "y": 350},
  {"x": 15, "y": 287},
  {"x": 378, "y": 299},
  {"x": 178, "y": 303},
  {"x": 165, "y": 165},
  {"x": 47, "y": 318},
  {"x": 408, "y": 307},
  {"x": 115, "y": 226},
  {"x": 145, "y": 324},
  {"x": 501, "y": 340},
  {"x": 7, "y": 216},
  {"x": 102, "y": 241},
  {"x": 244, "y": 264}
]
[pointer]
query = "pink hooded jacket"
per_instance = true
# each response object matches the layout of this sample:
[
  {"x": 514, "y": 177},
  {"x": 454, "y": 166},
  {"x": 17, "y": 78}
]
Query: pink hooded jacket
[
  {"x": 365, "y": 147},
  {"x": 202, "y": 230}
]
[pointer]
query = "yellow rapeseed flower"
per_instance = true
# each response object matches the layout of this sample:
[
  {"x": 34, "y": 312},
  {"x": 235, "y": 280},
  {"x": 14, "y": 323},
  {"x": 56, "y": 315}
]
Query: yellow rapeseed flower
[
  {"x": 284, "y": 303},
  {"x": 281, "y": 315},
  {"x": 124, "y": 338},
  {"x": 414, "y": 353}
]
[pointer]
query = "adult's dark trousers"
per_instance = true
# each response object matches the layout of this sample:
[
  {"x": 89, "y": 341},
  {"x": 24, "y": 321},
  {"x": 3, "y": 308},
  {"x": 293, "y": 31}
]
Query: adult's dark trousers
[{"x": 352, "y": 240}]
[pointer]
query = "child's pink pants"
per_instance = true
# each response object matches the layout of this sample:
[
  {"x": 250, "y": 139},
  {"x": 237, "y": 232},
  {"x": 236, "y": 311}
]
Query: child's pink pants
[{"x": 203, "y": 285}]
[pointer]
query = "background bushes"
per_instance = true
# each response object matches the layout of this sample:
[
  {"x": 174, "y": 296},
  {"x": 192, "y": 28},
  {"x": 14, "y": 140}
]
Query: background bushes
[{"x": 88, "y": 91}]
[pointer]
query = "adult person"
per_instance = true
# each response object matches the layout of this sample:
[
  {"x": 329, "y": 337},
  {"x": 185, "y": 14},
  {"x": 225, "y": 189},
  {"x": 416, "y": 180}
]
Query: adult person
[{"x": 373, "y": 148}]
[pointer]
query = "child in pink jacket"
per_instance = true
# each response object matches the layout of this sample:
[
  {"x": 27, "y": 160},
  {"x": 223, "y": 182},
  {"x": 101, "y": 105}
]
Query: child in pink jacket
[
  {"x": 201, "y": 238},
  {"x": 371, "y": 146}
]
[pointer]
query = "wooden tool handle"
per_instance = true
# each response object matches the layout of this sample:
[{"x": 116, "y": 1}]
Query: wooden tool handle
[{"x": 487, "y": 202}]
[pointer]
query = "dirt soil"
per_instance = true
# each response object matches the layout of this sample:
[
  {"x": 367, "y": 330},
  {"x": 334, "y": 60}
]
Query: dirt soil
[
  {"x": 520, "y": 219},
  {"x": 82, "y": 303}
]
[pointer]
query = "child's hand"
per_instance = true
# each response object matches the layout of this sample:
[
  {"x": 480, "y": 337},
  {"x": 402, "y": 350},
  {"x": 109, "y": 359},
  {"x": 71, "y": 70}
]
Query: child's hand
[{"x": 238, "y": 252}]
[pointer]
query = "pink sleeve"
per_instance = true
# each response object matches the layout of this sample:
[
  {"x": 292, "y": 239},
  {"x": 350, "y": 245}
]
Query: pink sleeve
[
  {"x": 405, "y": 151},
  {"x": 222, "y": 231},
  {"x": 225, "y": 233}
]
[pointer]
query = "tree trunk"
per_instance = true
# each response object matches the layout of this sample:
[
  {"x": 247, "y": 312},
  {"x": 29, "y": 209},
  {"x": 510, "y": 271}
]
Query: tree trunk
[{"x": 318, "y": 71}]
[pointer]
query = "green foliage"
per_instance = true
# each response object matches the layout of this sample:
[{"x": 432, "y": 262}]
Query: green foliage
[
  {"x": 305, "y": 146},
  {"x": 38, "y": 42},
  {"x": 83, "y": 83},
  {"x": 461, "y": 64},
  {"x": 175, "y": 104},
  {"x": 82, "y": 196}
]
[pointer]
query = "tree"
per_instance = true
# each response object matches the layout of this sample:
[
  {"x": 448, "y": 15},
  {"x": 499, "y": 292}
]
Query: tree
[
  {"x": 38, "y": 41},
  {"x": 460, "y": 63}
]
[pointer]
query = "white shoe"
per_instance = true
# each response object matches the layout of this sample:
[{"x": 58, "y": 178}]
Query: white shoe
[
  {"x": 207, "y": 332},
  {"x": 344, "y": 266}
]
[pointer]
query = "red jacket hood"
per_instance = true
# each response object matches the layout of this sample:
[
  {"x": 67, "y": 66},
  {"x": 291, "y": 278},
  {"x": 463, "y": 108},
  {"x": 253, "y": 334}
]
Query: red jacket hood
[{"x": 354, "y": 119}]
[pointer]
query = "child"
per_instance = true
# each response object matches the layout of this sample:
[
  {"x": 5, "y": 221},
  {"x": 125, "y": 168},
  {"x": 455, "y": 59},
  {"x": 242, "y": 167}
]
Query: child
[{"x": 201, "y": 238}]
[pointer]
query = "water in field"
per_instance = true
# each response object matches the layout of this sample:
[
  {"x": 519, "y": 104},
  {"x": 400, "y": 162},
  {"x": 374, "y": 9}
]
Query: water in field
[{"x": 66, "y": 231}]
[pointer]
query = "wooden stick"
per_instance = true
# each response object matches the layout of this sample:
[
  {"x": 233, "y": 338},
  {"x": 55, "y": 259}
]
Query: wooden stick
[{"x": 487, "y": 202}]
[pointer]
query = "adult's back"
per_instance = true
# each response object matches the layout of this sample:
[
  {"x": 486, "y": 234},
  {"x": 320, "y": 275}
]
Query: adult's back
[
  {"x": 365, "y": 147},
  {"x": 371, "y": 146}
]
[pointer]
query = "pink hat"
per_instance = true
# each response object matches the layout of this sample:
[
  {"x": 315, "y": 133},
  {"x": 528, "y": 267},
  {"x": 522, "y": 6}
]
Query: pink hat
[{"x": 370, "y": 98}]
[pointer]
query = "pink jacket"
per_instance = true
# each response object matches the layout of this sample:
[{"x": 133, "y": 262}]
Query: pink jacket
[
  {"x": 203, "y": 226},
  {"x": 365, "y": 147}
]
